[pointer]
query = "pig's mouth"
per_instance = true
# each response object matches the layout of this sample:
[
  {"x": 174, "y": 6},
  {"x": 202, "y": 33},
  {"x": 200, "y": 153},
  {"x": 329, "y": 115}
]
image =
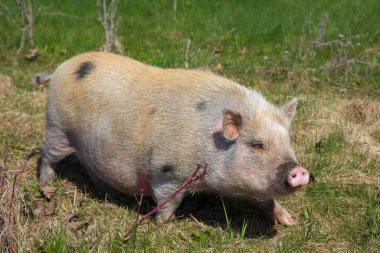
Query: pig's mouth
[
  {"x": 284, "y": 188},
  {"x": 290, "y": 189}
]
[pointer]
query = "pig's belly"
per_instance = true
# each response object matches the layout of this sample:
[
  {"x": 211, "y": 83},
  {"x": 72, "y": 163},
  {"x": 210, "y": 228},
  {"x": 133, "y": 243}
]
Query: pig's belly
[{"x": 109, "y": 164}]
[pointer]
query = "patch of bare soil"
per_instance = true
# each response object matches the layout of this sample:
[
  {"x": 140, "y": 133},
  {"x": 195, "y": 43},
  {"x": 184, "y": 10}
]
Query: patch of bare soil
[
  {"x": 6, "y": 87},
  {"x": 22, "y": 114},
  {"x": 355, "y": 177},
  {"x": 25, "y": 124},
  {"x": 36, "y": 99},
  {"x": 358, "y": 119},
  {"x": 366, "y": 112},
  {"x": 364, "y": 119}
]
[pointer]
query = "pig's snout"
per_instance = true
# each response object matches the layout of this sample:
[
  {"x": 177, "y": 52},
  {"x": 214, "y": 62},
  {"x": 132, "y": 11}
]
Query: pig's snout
[{"x": 298, "y": 176}]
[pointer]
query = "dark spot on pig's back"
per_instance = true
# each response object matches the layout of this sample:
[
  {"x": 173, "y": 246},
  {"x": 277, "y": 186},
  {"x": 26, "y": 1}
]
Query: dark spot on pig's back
[
  {"x": 153, "y": 111},
  {"x": 201, "y": 106},
  {"x": 167, "y": 168},
  {"x": 84, "y": 69}
]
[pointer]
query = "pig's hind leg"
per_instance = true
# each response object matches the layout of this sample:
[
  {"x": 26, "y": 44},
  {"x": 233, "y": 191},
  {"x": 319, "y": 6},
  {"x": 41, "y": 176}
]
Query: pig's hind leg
[{"x": 55, "y": 147}]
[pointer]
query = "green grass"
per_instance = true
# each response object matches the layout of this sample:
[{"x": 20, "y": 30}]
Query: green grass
[{"x": 338, "y": 212}]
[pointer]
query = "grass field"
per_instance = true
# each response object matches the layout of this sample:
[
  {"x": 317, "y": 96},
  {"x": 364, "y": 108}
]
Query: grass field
[{"x": 327, "y": 53}]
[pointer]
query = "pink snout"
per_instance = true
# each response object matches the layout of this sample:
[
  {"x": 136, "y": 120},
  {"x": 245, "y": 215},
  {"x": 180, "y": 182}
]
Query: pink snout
[{"x": 298, "y": 176}]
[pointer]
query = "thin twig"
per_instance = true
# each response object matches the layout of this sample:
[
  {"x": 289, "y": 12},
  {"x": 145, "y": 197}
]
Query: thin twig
[
  {"x": 188, "y": 43},
  {"x": 12, "y": 199},
  {"x": 142, "y": 190},
  {"x": 4, "y": 175},
  {"x": 192, "y": 178}
]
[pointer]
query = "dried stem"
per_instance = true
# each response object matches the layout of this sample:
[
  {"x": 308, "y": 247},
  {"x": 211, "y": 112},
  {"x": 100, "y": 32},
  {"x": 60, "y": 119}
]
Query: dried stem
[
  {"x": 191, "y": 179},
  {"x": 188, "y": 43},
  {"x": 12, "y": 199},
  {"x": 4, "y": 175},
  {"x": 142, "y": 190}
]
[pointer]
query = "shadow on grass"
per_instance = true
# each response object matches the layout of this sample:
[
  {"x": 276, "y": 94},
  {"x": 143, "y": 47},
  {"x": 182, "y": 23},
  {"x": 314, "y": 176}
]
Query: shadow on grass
[{"x": 206, "y": 208}]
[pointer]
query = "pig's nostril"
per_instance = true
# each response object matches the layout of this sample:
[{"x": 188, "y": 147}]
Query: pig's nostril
[{"x": 294, "y": 175}]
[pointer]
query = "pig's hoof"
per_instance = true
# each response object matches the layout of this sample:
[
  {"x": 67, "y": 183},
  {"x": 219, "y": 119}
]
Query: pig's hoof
[
  {"x": 283, "y": 217},
  {"x": 47, "y": 190},
  {"x": 162, "y": 218}
]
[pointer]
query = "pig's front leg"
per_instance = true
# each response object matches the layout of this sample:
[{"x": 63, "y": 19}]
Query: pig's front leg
[
  {"x": 275, "y": 212},
  {"x": 163, "y": 190}
]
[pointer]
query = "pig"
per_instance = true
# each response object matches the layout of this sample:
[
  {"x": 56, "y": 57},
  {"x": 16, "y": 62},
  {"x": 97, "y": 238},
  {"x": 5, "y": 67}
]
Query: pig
[{"x": 126, "y": 120}]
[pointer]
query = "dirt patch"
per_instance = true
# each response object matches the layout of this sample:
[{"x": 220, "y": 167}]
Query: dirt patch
[
  {"x": 355, "y": 177},
  {"x": 376, "y": 133},
  {"x": 359, "y": 121},
  {"x": 26, "y": 126},
  {"x": 6, "y": 87},
  {"x": 366, "y": 112},
  {"x": 36, "y": 99},
  {"x": 14, "y": 120},
  {"x": 363, "y": 117},
  {"x": 23, "y": 114}
]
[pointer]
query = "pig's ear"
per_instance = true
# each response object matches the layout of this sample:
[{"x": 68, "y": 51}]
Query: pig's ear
[
  {"x": 289, "y": 108},
  {"x": 232, "y": 122}
]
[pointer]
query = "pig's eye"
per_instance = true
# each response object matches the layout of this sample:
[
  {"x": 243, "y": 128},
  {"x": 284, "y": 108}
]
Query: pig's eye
[{"x": 259, "y": 145}]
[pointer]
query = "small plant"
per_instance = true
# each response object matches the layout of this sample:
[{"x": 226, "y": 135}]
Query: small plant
[
  {"x": 243, "y": 229},
  {"x": 228, "y": 221},
  {"x": 24, "y": 22},
  {"x": 107, "y": 16}
]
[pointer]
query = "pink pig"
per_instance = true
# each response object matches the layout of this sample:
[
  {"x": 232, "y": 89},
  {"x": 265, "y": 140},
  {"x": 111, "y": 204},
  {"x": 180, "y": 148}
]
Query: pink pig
[{"x": 124, "y": 119}]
